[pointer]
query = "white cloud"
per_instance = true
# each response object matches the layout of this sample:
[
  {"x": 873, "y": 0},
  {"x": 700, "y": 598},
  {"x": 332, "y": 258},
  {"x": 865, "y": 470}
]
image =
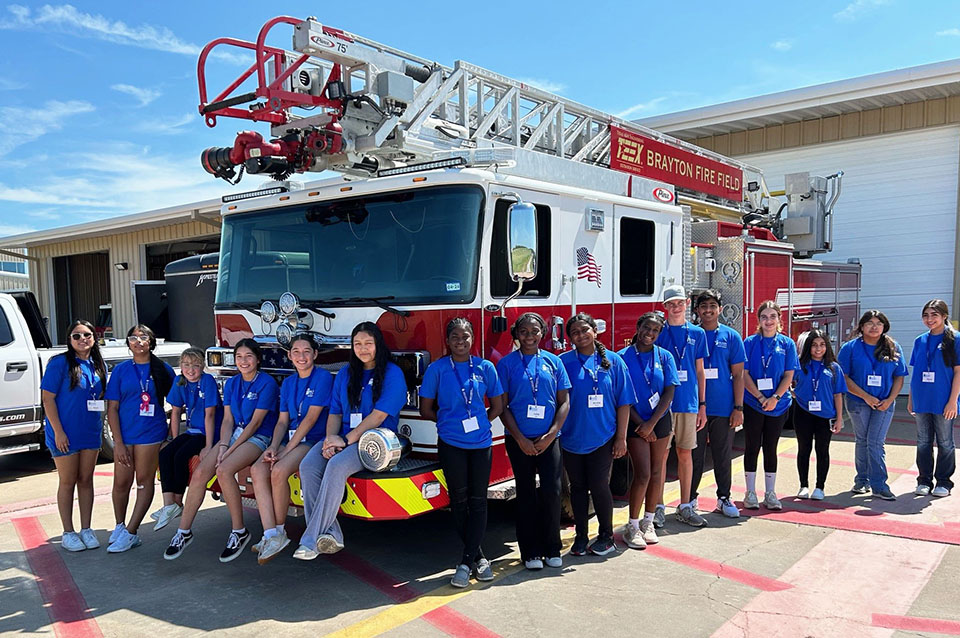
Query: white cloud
[
  {"x": 638, "y": 109},
  {"x": 544, "y": 85},
  {"x": 7, "y": 84},
  {"x": 142, "y": 95},
  {"x": 7, "y": 230},
  {"x": 782, "y": 45},
  {"x": 173, "y": 125},
  {"x": 20, "y": 125},
  {"x": 857, "y": 8},
  {"x": 951, "y": 32},
  {"x": 66, "y": 17}
]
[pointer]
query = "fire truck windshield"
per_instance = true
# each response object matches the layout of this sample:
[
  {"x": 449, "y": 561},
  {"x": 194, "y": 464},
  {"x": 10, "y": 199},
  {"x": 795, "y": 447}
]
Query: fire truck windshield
[{"x": 419, "y": 246}]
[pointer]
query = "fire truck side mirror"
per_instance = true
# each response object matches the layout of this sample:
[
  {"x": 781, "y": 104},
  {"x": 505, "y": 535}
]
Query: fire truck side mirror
[{"x": 522, "y": 238}]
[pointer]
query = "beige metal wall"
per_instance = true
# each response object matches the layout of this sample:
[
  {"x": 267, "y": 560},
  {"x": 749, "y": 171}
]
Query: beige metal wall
[
  {"x": 123, "y": 247},
  {"x": 10, "y": 281}
]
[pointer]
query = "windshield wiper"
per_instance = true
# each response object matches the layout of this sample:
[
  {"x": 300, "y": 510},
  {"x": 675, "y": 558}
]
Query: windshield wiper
[{"x": 376, "y": 301}]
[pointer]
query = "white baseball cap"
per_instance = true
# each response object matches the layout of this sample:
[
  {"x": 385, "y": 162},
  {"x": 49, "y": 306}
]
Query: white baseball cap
[{"x": 674, "y": 292}]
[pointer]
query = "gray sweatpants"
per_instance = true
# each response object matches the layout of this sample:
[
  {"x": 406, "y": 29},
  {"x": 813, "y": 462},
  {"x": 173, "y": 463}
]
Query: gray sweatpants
[{"x": 321, "y": 483}]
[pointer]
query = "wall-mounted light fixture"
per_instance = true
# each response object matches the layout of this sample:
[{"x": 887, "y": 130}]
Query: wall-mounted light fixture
[{"x": 120, "y": 265}]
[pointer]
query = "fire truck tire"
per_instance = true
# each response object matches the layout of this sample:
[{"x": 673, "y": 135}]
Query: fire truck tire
[{"x": 106, "y": 441}]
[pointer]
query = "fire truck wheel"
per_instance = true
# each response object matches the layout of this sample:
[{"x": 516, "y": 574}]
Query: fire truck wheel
[{"x": 106, "y": 441}]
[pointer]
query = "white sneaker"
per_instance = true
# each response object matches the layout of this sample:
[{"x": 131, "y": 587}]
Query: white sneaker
[
  {"x": 115, "y": 534},
  {"x": 555, "y": 562},
  {"x": 648, "y": 533},
  {"x": 533, "y": 564},
  {"x": 940, "y": 491},
  {"x": 90, "y": 540},
  {"x": 922, "y": 490},
  {"x": 156, "y": 515},
  {"x": 71, "y": 542},
  {"x": 750, "y": 501},
  {"x": 726, "y": 506},
  {"x": 327, "y": 544},
  {"x": 167, "y": 514},
  {"x": 271, "y": 547},
  {"x": 804, "y": 492},
  {"x": 771, "y": 502},
  {"x": 632, "y": 537},
  {"x": 305, "y": 553},
  {"x": 126, "y": 541},
  {"x": 817, "y": 494}
]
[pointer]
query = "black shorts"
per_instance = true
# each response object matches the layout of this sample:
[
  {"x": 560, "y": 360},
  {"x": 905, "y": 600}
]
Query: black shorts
[{"x": 662, "y": 429}]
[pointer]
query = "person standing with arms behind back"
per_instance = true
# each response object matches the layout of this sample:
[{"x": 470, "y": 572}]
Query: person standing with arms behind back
[
  {"x": 723, "y": 373},
  {"x": 934, "y": 388},
  {"x": 687, "y": 343},
  {"x": 874, "y": 365}
]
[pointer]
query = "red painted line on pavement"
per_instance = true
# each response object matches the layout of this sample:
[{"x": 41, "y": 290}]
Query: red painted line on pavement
[
  {"x": 914, "y": 623},
  {"x": 453, "y": 623},
  {"x": 65, "y": 604},
  {"x": 763, "y": 583},
  {"x": 842, "y": 463},
  {"x": 40, "y": 502},
  {"x": 380, "y": 580}
]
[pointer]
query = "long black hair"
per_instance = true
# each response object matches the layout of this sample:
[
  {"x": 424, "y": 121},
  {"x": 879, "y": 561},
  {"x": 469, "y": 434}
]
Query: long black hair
[
  {"x": 829, "y": 358},
  {"x": 587, "y": 319},
  {"x": 381, "y": 359},
  {"x": 73, "y": 362},
  {"x": 886, "y": 348},
  {"x": 940, "y": 307},
  {"x": 161, "y": 377},
  {"x": 648, "y": 316}
]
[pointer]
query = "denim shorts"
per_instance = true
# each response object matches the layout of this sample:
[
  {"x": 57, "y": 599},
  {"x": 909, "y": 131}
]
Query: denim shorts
[{"x": 262, "y": 441}]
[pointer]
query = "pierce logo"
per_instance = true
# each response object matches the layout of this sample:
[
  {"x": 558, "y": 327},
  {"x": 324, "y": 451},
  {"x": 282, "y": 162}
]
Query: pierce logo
[
  {"x": 321, "y": 41},
  {"x": 663, "y": 194}
]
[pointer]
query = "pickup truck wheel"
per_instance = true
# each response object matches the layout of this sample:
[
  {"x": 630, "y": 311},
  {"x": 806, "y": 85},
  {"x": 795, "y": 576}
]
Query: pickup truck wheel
[{"x": 106, "y": 441}]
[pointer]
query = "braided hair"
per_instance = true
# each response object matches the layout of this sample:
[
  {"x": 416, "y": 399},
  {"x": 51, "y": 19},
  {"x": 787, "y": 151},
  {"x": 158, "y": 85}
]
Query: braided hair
[
  {"x": 656, "y": 317},
  {"x": 587, "y": 319},
  {"x": 528, "y": 317}
]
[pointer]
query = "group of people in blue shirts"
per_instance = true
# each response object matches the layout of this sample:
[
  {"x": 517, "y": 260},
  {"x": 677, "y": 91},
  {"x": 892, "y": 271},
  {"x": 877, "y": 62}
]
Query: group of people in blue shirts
[{"x": 571, "y": 415}]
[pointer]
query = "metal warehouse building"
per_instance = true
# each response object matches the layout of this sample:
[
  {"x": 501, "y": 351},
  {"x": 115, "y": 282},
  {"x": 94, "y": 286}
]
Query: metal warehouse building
[
  {"x": 74, "y": 270},
  {"x": 896, "y": 136}
]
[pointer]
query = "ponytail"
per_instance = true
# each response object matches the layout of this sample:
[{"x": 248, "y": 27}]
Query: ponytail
[
  {"x": 161, "y": 378},
  {"x": 602, "y": 351}
]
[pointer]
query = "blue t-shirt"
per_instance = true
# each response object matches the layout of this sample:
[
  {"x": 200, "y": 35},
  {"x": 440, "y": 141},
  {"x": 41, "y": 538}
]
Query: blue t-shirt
[
  {"x": 246, "y": 397},
  {"x": 393, "y": 396},
  {"x": 81, "y": 426},
  {"x": 859, "y": 361},
  {"x": 817, "y": 383},
  {"x": 724, "y": 350},
  {"x": 128, "y": 381},
  {"x": 927, "y": 356},
  {"x": 195, "y": 398},
  {"x": 586, "y": 428},
  {"x": 298, "y": 395},
  {"x": 650, "y": 373},
  {"x": 770, "y": 358},
  {"x": 686, "y": 343},
  {"x": 459, "y": 389},
  {"x": 519, "y": 375}
]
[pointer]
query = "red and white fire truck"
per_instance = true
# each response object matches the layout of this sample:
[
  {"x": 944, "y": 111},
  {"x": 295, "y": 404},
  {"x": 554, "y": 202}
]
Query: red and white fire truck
[{"x": 463, "y": 193}]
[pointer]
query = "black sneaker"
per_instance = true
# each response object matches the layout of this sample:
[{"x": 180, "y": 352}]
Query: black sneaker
[
  {"x": 885, "y": 494},
  {"x": 579, "y": 547},
  {"x": 602, "y": 546},
  {"x": 178, "y": 543},
  {"x": 235, "y": 544}
]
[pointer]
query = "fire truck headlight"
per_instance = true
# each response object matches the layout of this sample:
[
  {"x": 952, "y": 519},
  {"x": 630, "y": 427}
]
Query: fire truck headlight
[
  {"x": 215, "y": 359},
  {"x": 268, "y": 312},
  {"x": 228, "y": 359},
  {"x": 289, "y": 303},
  {"x": 284, "y": 334}
]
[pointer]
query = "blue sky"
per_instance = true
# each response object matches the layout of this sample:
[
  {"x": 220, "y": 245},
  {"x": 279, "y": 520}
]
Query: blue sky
[{"x": 98, "y": 100}]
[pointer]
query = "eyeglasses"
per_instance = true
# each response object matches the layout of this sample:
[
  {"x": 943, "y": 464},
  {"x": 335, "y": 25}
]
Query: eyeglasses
[
  {"x": 77, "y": 336},
  {"x": 138, "y": 338}
]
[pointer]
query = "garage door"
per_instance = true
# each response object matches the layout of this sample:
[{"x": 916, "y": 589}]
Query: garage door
[{"x": 897, "y": 213}]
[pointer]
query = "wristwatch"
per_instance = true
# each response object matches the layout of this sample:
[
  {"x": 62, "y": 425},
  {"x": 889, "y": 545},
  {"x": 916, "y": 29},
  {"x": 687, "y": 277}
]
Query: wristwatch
[
  {"x": 738, "y": 407},
  {"x": 777, "y": 397},
  {"x": 703, "y": 404}
]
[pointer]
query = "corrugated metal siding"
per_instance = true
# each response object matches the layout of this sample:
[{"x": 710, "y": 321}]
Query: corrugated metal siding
[
  {"x": 9, "y": 281},
  {"x": 897, "y": 213},
  {"x": 120, "y": 248}
]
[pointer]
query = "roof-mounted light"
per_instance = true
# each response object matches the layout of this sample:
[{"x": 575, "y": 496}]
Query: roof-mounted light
[
  {"x": 262, "y": 192},
  {"x": 499, "y": 155},
  {"x": 450, "y": 162}
]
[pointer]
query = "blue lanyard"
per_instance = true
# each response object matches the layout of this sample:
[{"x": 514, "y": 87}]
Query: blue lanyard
[
  {"x": 535, "y": 379},
  {"x": 467, "y": 399},
  {"x": 931, "y": 352},
  {"x": 243, "y": 395},
  {"x": 192, "y": 404},
  {"x": 764, "y": 361},
  {"x": 303, "y": 394},
  {"x": 680, "y": 353},
  {"x": 870, "y": 357},
  {"x": 594, "y": 374},
  {"x": 86, "y": 366},
  {"x": 643, "y": 367},
  {"x": 144, "y": 385},
  {"x": 712, "y": 347},
  {"x": 815, "y": 374}
]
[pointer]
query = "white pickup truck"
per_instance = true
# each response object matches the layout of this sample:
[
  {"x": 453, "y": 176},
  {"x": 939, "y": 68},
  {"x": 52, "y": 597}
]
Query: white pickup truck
[{"x": 25, "y": 349}]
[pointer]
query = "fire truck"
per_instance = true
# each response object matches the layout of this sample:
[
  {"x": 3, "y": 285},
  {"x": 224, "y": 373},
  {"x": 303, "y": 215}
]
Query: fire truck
[{"x": 463, "y": 193}]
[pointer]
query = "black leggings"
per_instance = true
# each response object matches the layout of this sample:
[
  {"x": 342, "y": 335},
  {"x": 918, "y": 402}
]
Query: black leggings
[
  {"x": 761, "y": 430},
  {"x": 810, "y": 427},
  {"x": 468, "y": 476},
  {"x": 591, "y": 472},
  {"x": 538, "y": 509},
  {"x": 175, "y": 461}
]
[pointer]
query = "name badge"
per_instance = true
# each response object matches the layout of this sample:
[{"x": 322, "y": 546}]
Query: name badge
[
  {"x": 764, "y": 384},
  {"x": 595, "y": 401},
  {"x": 682, "y": 376},
  {"x": 711, "y": 373},
  {"x": 813, "y": 406},
  {"x": 237, "y": 431},
  {"x": 470, "y": 425},
  {"x": 355, "y": 419},
  {"x": 654, "y": 400},
  {"x": 874, "y": 380},
  {"x": 290, "y": 434},
  {"x": 147, "y": 410},
  {"x": 95, "y": 405},
  {"x": 928, "y": 377},
  {"x": 536, "y": 411}
]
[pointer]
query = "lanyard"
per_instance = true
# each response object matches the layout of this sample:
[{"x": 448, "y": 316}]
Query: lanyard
[
  {"x": 358, "y": 407},
  {"x": 815, "y": 375},
  {"x": 192, "y": 404},
  {"x": 303, "y": 395},
  {"x": 643, "y": 367},
  {"x": 467, "y": 399},
  {"x": 870, "y": 357},
  {"x": 535, "y": 379},
  {"x": 931, "y": 352},
  {"x": 144, "y": 384},
  {"x": 92, "y": 379},
  {"x": 712, "y": 347},
  {"x": 764, "y": 361},
  {"x": 243, "y": 395},
  {"x": 680, "y": 353},
  {"x": 594, "y": 374}
]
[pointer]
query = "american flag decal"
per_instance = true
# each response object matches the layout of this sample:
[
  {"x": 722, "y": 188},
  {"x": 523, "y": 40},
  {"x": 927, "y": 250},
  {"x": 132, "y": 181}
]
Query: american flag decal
[{"x": 587, "y": 266}]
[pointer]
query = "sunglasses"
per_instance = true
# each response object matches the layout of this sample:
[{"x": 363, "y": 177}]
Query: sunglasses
[
  {"x": 137, "y": 338},
  {"x": 77, "y": 336}
]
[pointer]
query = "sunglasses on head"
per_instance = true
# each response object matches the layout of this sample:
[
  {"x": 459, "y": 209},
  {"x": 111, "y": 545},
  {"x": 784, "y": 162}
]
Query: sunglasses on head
[{"x": 77, "y": 336}]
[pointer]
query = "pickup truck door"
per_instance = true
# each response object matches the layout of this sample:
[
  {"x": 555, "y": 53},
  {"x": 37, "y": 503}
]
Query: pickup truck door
[{"x": 20, "y": 385}]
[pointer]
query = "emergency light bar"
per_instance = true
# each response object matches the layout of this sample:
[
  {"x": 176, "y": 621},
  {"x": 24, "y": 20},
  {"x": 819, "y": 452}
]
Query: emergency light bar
[
  {"x": 236, "y": 197},
  {"x": 451, "y": 162}
]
